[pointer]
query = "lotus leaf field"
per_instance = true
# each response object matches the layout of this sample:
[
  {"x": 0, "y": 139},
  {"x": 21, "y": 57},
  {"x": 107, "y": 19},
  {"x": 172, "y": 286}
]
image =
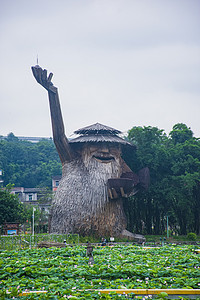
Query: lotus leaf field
[{"x": 65, "y": 273}]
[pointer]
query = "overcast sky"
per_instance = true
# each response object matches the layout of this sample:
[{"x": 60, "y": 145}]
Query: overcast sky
[{"x": 122, "y": 63}]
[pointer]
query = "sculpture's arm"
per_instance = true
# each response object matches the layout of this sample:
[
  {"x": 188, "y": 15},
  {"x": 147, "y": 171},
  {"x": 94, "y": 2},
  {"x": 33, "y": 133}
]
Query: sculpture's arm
[{"x": 59, "y": 137}]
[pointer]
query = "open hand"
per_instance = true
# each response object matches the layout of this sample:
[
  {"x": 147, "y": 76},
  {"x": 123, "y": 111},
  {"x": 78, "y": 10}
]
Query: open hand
[
  {"x": 41, "y": 77},
  {"x": 120, "y": 188}
]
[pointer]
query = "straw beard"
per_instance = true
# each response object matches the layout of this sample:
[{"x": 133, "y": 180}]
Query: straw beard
[{"x": 82, "y": 197}]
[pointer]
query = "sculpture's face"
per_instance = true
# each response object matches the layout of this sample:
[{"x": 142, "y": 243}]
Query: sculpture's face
[{"x": 104, "y": 154}]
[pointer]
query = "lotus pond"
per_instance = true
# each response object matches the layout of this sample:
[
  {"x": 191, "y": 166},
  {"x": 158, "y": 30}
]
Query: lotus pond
[{"x": 65, "y": 273}]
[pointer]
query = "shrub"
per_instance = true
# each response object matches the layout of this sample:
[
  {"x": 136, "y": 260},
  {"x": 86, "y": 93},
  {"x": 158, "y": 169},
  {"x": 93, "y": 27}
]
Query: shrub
[{"x": 192, "y": 236}]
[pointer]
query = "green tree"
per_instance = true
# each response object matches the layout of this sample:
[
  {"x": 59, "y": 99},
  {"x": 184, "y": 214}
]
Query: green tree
[
  {"x": 174, "y": 191},
  {"x": 185, "y": 156},
  {"x": 181, "y": 133},
  {"x": 28, "y": 164},
  {"x": 150, "y": 207},
  {"x": 11, "y": 210},
  {"x": 40, "y": 218},
  {"x": 11, "y": 137}
]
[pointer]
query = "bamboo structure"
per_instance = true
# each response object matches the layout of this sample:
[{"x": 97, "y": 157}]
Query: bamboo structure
[
  {"x": 189, "y": 293},
  {"x": 170, "y": 293},
  {"x": 95, "y": 179}
]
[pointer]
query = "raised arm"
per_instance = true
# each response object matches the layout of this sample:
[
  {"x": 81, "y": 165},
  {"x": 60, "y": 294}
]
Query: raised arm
[{"x": 59, "y": 137}]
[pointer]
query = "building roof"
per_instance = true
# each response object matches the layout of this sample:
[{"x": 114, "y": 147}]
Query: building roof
[
  {"x": 56, "y": 177},
  {"x": 32, "y": 190},
  {"x": 28, "y": 139}
]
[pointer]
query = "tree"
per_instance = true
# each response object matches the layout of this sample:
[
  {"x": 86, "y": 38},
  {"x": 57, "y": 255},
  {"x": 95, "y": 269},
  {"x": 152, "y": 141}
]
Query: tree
[
  {"x": 174, "y": 191},
  {"x": 28, "y": 164},
  {"x": 149, "y": 207},
  {"x": 11, "y": 210},
  {"x": 11, "y": 137},
  {"x": 180, "y": 133},
  {"x": 40, "y": 218},
  {"x": 185, "y": 155}
]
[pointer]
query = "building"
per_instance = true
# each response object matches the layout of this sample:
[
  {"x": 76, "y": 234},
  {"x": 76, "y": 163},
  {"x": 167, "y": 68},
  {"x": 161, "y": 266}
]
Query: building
[
  {"x": 34, "y": 196},
  {"x": 28, "y": 138},
  {"x": 55, "y": 182},
  {"x": 37, "y": 196},
  {"x": 40, "y": 197},
  {"x": 1, "y": 180}
]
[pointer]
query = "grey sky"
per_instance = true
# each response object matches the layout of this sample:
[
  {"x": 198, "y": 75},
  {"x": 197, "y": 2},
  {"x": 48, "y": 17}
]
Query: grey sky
[{"x": 122, "y": 63}]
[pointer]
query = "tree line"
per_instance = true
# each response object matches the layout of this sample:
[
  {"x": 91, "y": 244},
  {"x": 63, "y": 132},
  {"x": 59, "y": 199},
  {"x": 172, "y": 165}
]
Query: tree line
[
  {"x": 173, "y": 161},
  {"x": 174, "y": 191},
  {"x": 28, "y": 164}
]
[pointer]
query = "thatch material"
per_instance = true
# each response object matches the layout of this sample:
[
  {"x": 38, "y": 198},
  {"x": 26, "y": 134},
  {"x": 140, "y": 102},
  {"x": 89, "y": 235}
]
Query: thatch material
[
  {"x": 99, "y": 133},
  {"x": 100, "y": 138},
  {"x": 82, "y": 204},
  {"x": 97, "y": 128}
]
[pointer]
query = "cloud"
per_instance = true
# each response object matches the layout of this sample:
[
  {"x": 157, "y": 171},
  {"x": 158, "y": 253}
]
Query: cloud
[{"x": 122, "y": 63}]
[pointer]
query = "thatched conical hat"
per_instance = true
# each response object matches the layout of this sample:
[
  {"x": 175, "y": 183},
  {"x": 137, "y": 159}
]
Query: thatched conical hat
[
  {"x": 99, "y": 133},
  {"x": 97, "y": 128}
]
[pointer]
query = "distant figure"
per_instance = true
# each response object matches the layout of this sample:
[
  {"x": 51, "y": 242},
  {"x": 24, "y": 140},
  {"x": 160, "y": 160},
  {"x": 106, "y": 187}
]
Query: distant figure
[
  {"x": 89, "y": 249},
  {"x": 89, "y": 252},
  {"x": 104, "y": 241}
]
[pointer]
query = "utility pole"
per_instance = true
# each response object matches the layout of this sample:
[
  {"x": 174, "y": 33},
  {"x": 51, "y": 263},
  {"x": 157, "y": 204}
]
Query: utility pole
[
  {"x": 167, "y": 228},
  {"x": 34, "y": 209}
]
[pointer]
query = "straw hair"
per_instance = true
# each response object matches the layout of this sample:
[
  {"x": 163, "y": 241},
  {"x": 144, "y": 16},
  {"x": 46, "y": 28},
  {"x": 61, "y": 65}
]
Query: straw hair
[{"x": 81, "y": 204}]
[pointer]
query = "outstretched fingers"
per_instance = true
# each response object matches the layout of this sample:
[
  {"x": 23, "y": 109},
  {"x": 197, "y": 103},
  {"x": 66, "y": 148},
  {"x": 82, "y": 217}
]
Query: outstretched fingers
[
  {"x": 44, "y": 75},
  {"x": 34, "y": 70},
  {"x": 50, "y": 77},
  {"x": 41, "y": 77},
  {"x": 37, "y": 71}
]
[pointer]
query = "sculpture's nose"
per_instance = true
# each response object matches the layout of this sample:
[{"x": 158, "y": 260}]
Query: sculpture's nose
[{"x": 104, "y": 150}]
